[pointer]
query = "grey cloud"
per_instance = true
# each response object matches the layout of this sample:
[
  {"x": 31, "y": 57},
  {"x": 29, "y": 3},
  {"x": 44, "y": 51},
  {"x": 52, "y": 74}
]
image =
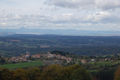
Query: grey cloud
[
  {"x": 65, "y": 20},
  {"x": 71, "y": 3},
  {"x": 101, "y": 4},
  {"x": 107, "y": 4},
  {"x": 85, "y": 14}
]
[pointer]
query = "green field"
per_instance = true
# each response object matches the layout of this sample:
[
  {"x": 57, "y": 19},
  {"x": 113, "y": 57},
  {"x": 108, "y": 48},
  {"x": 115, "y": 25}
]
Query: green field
[{"x": 22, "y": 65}]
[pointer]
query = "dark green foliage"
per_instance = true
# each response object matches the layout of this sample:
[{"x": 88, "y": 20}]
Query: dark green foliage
[
  {"x": 60, "y": 53},
  {"x": 2, "y": 60},
  {"x": 6, "y": 74},
  {"x": 106, "y": 74}
]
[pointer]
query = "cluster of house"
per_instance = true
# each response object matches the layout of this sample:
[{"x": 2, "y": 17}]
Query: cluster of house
[
  {"x": 52, "y": 56},
  {"x": 23, "y": 58},
  {"x": 84, "y": 61},
  {"x": 27, "y": 57}
]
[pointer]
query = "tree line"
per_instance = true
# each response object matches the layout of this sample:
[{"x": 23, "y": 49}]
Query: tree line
[{"x": 52, "y": 72}]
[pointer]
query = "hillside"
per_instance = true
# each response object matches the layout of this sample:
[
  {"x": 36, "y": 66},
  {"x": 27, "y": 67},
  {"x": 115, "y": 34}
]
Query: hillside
[{"x": 18, "y": 44}]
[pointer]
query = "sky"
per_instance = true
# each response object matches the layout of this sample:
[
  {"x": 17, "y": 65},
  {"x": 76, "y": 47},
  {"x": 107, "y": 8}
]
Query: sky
[{"x": 92, "y": 15}]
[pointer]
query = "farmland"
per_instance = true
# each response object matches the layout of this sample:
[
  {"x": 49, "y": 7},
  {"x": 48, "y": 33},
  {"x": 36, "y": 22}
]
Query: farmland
[{"x": 16, "y": 45}]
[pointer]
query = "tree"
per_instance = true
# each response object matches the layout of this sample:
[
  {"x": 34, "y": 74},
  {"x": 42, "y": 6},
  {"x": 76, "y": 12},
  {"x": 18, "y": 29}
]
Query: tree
[
  {"x": 76, "y": 72},
  {"x": 57, "y": 72},
  {"x": 117, "y": 74},
  {"x": 52, "y": 72},
  {"x": 6, "y": 74},
  {"x": 20, "y": 74},
  {"x": 34, "y": 73}
]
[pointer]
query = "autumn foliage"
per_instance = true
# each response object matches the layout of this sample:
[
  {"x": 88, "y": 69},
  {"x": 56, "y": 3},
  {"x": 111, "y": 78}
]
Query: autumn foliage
[
  {"x": 117, "y": 74},
  {"x": 52, "y": 72}
]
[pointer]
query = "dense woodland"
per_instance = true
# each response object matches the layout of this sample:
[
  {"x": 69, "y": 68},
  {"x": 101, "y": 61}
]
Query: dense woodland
[
  {"x": 56, "y": 72},
  {"x": 52, "y": 72},
  {"x": 15, "y": 45}
]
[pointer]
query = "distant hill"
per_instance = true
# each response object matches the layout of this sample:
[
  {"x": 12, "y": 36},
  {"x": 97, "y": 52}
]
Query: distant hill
[
  {"x": 6, "y": 33},
  {"x": 69, "y": 32}
]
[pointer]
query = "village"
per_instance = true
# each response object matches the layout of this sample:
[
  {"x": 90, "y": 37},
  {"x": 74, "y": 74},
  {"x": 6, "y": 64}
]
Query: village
[
  {"x": 47, "y": 58},
  {"x": 50, "y": 58}
]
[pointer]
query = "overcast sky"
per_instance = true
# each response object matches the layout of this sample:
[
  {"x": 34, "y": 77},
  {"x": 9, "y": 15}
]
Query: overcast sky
[{"x": 98, "y": 15}]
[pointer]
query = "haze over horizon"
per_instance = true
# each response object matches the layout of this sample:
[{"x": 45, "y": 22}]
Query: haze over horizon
[{"x": 61, "y": 15}]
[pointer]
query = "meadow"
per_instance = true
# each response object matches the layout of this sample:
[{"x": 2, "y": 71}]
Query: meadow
[{"x": 23, "y": 65}]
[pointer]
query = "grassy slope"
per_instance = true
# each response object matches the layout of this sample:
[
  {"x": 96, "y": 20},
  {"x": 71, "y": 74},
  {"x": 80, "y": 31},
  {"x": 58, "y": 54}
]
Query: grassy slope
[{"x": 22, "y": 65}]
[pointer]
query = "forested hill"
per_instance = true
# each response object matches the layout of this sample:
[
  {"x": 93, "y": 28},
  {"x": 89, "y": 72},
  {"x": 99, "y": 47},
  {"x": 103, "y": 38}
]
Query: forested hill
[{"x": 18, "y": 44}]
